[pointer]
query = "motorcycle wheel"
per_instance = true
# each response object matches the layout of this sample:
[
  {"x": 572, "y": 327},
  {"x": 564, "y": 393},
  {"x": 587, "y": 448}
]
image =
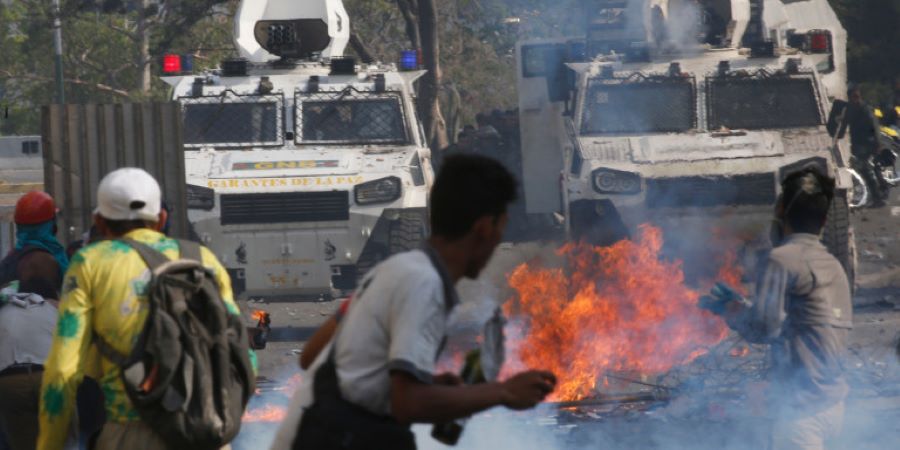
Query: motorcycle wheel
[{"x": 859, "y": 195}]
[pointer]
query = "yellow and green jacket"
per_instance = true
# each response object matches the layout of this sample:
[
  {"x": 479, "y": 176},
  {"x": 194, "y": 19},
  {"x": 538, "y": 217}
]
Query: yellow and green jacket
[{"x": 104, "y": 292}]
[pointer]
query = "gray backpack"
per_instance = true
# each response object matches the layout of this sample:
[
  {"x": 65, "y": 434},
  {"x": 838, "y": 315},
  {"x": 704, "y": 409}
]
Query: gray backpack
[{"x": 189, "y": 375}]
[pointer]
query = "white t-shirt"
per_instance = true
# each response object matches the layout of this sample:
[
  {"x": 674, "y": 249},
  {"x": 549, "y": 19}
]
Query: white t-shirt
[
  {"x": 27, "y": 323},
  {"x": 396, "y": 322}
]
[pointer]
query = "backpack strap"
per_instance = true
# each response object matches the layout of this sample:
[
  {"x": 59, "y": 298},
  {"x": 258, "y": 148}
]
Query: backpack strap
[
  {"x": 190, "y": 251},
  {"x": 154, "y": 259},
  {"x": 109, "y": 352}
]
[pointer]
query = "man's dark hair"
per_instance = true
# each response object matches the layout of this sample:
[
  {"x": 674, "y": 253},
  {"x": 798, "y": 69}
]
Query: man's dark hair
[
  {"x": 122, "y": 227},
  {"x": 807, "y": 195},
  {"x": 468, "y": 188}
]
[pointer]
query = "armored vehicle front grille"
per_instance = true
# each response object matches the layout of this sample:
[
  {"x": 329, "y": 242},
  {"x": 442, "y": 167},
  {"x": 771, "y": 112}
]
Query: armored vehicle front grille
[
  {"x": 288, "y": 207},
  {"x": 755, "y": 189}
]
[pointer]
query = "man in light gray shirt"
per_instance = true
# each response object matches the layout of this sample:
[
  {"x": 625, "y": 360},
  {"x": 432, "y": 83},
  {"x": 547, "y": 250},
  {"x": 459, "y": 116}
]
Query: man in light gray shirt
[
  {"x": 803, "y": 309},
  {"x": 27, "y": 322}
]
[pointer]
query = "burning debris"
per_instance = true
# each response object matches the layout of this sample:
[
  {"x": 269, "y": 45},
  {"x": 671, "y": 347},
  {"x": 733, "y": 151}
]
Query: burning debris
[
  {"x": 259, "y": 335},
  {"x": 265, "y": 413},
  {"x": 269, "y": 404},
  {"x": 614, "y": 310}
]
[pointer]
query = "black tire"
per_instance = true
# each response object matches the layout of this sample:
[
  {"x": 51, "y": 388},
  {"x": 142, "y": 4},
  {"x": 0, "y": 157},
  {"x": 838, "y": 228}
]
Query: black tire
[
  {"x": 407, "y": 232},
  {"x": 597, "y": 223},
  {"x": 838, "y": 236}
]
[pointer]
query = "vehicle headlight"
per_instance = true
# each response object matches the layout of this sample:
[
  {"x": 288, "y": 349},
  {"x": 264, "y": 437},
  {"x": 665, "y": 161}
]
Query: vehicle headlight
[
  {"x": 378, "y": 191},
  {"x": 199, "y": 197},
  {"x": 608, "y": 181}
]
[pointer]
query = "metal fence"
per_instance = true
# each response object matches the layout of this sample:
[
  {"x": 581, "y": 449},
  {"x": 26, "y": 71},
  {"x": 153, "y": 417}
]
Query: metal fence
[{"x": 82, "y": 143}]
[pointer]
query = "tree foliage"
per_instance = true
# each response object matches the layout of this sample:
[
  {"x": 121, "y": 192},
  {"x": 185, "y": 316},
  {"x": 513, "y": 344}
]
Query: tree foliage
[
  {"x": 102, "y": 57},
  {"x": 874, "y": 49},
  {"x": 103, "y": 60}
]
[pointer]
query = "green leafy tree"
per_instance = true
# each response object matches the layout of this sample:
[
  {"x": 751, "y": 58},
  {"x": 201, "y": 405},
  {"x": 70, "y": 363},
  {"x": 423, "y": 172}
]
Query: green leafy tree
[
  {"x": 112, "y": 47},
  {"x": 110, "y": 50},
  {"x": 873, "y": 50}
]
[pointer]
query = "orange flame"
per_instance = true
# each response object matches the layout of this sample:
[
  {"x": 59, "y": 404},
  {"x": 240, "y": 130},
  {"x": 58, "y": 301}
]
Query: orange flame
[
  {"x": 258, "y": 315},
  {"x": 614, "y": 309},
  {"x": 266, "y": 413},
  {"x": 739, "y": 351},
  {"x": 271, "y": 412}
]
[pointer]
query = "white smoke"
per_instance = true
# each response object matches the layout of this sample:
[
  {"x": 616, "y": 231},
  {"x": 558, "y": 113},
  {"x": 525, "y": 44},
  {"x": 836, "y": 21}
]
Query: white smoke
[{"x": 683, "y": 23}]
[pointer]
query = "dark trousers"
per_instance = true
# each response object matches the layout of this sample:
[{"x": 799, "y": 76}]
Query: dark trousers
[
  {"x": 333, "y": 423},
  {"x": 19, "y": 409},
  {"x": 863, "y": 163},
  {"x": 325, "y": 432}
]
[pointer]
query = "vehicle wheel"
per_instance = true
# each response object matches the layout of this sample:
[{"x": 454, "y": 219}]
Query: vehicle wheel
[
  {"x": 597, "y": 223},
  {"x": 839, "y": 236},
  {"x": 407, "y": 232}
]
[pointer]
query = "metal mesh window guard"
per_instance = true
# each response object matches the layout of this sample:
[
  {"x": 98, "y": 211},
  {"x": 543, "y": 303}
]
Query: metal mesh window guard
[
  {"x": 232, "y": 120},
  {"x": 350, "y": 117},
  {"x": 615, "y": 106},
  {"x": 762, "y": 103}
]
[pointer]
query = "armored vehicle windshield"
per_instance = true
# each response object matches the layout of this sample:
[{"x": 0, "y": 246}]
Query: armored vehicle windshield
[
  {"x": 226, "y": 121},
  {"x": 350, "y": 117},
  {"x": 616, "y": 106},
  {"x": 757, "y": 103}
]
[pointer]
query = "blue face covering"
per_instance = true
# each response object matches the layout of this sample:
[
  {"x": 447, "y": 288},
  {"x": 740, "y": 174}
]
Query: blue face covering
[{"x": 42, "y": 236}]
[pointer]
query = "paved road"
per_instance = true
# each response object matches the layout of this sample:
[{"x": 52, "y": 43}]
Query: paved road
[{"x": 872, "y": 413}]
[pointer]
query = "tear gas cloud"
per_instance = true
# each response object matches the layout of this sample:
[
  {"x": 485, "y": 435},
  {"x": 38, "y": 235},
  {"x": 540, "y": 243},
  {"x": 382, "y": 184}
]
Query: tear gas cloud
[{"x": 716, "y": 401}]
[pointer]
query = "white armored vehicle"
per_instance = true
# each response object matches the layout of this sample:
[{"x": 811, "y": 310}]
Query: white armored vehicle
[
  {"x": 304, "y": 168},
  {"x": 685, "y": 115}
]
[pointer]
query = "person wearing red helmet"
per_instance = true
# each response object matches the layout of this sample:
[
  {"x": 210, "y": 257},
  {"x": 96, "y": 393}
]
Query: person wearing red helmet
[
  {"x": 30, "y": 283},
  {"x": 38, "y": 254}
]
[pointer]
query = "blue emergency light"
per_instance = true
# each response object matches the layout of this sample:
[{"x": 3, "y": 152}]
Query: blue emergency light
[{"x": 409, "y": 60}]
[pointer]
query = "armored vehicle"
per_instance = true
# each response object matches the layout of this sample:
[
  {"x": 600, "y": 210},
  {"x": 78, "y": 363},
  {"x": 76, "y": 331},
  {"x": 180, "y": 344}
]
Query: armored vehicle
[
  {"x": 686, "y": 115},
  {"x": 304, "y": 168}
]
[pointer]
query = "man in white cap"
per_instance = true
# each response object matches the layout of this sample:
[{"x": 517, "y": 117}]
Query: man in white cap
[{"x": 104, "y": 293}]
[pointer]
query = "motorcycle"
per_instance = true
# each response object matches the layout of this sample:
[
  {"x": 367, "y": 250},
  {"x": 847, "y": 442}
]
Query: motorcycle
[{"x": 885, "y": 162}]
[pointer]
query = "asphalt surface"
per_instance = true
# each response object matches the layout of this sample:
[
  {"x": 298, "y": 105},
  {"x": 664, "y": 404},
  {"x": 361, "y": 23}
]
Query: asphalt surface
[{"x": 873, "y": 409}]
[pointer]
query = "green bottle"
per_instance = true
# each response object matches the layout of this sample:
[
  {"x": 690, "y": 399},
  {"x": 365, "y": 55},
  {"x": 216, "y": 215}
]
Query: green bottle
[{"x": 449, "y": 433}]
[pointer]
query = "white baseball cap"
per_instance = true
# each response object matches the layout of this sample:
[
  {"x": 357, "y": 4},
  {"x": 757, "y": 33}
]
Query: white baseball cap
[{"x": 129, "y": 194}]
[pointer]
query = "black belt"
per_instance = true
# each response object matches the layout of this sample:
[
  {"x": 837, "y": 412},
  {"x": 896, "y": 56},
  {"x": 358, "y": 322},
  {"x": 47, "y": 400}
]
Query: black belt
[{"x": 19, "y": 369}]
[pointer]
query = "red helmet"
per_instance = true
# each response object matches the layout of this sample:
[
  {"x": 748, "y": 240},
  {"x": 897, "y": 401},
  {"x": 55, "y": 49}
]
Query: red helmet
[{"x": 34, "y": 208}]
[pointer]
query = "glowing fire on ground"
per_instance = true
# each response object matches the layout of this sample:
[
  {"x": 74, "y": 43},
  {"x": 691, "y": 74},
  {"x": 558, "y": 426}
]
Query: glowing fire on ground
[
  {"x": 272, "y": 412},
  {"x": 265, "y": 413},
  {"x": 613, "y": 310}
]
